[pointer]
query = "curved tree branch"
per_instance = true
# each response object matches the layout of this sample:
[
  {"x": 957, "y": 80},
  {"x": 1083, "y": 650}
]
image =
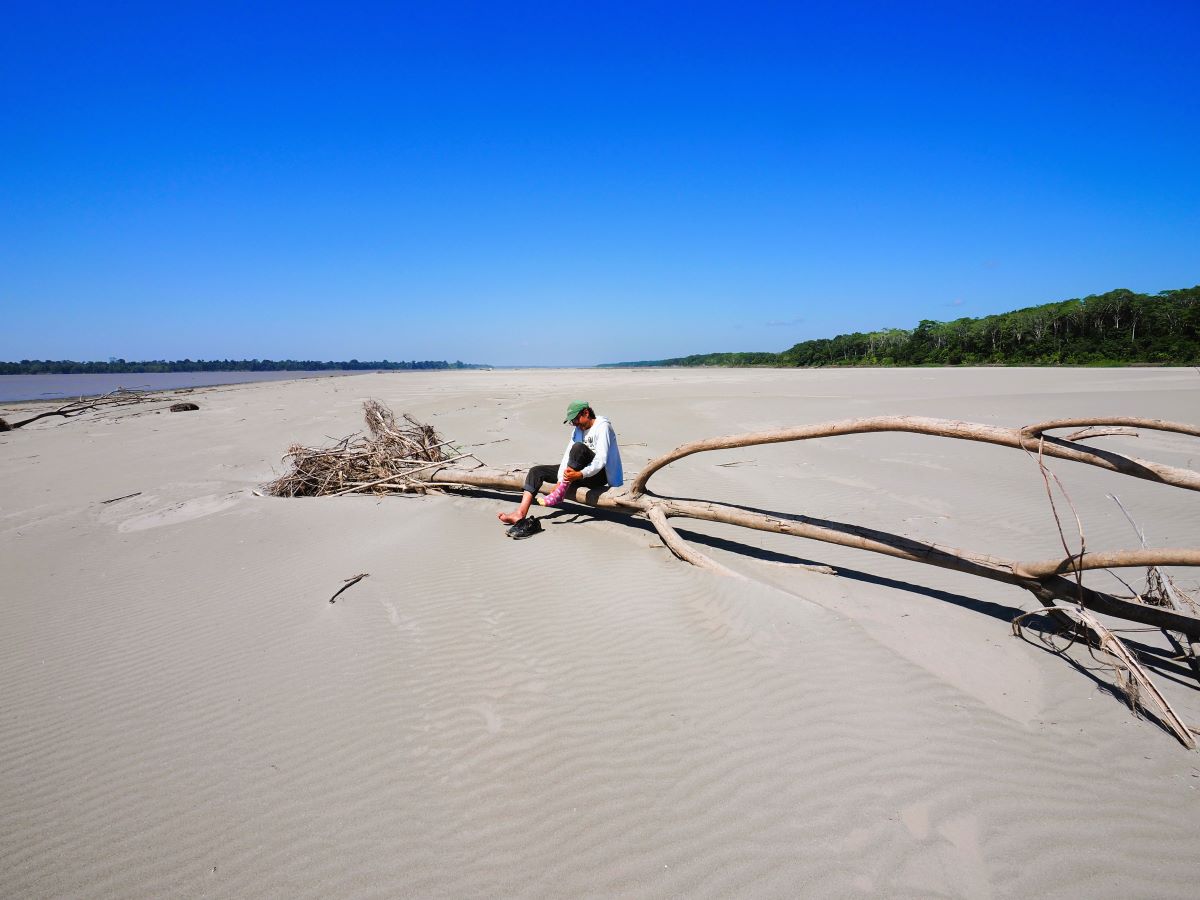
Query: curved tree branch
[
  {"x": 1113, "y": 559},
  {"x": 968, "y": 431},
  {"x": 1132, "y": 421}
]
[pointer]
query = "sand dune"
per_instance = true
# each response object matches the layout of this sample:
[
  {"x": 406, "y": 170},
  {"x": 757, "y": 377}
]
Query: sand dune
[{"x": 184, "y": 713}]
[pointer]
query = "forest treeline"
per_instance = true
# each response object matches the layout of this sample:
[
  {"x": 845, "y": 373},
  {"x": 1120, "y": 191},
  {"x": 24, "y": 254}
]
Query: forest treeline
[
  {"x": 117, "y": 366},
  {"x": 1116, "y": 328}
]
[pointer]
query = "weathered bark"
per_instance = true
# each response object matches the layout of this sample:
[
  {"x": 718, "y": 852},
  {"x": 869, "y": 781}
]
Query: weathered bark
[
  {"x": 1129, "y": 421},
  {"x": 1115, "y": 559},
  {"x": 1086, "y": 434}
]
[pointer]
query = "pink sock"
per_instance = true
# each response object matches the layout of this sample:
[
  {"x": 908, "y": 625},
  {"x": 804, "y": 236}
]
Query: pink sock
[{"x": 555, "y": 496}]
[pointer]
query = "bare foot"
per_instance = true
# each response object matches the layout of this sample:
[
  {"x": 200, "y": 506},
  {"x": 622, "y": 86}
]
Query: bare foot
[{"x": 509, "y": 518}]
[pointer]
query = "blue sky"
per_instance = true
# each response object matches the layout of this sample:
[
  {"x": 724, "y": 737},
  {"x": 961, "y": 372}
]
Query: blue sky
[{"x": 577, "y": 183}]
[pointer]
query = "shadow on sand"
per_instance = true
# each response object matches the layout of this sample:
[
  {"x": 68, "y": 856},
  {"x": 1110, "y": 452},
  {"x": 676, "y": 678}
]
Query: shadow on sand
[{"x": 1046, "y": 634}]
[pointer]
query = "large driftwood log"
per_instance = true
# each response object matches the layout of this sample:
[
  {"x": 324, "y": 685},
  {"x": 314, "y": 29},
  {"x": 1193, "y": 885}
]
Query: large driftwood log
[
  {"x": 1046, "y": 579},
  {"x": 1057, "y": 583}
]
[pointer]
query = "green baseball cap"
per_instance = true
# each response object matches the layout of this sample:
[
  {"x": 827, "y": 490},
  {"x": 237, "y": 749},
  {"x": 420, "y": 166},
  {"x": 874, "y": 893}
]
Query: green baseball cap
[{"x": 576, "y": 407}]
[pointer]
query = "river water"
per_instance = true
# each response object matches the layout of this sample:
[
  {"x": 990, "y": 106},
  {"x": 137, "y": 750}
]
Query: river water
[{"x": 67, "y": 387}]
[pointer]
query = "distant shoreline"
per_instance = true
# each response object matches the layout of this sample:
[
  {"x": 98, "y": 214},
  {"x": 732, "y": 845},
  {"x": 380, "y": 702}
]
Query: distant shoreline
[
  {"x": 51, "y": 387},
  {"x": 834, "y": 366},
  {"x": 1119, "y": 328}
]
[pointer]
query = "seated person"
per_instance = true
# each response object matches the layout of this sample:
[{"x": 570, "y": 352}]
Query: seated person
[{"x": 591, "y": 460}]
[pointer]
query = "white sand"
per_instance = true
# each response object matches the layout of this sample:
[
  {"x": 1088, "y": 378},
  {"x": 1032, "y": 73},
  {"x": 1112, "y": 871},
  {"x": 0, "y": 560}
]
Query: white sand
[{"x": 183, "y": 714}]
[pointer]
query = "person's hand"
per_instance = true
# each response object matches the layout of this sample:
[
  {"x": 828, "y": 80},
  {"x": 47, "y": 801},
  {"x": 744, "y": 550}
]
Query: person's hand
[{"x": 572, "y": 474}]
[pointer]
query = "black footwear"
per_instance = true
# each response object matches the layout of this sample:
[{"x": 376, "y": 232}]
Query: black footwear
[{"x": 527, "y": 527}]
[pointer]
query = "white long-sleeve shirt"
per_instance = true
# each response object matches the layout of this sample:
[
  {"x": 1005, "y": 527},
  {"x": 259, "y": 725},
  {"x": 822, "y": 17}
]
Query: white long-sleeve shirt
[{"x": 602, "y": 441}]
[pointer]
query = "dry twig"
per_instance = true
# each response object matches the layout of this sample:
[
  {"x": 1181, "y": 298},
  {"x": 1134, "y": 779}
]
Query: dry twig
[
  {"x": 125, "y": 497},
  {"x": 349, "y": 583}
]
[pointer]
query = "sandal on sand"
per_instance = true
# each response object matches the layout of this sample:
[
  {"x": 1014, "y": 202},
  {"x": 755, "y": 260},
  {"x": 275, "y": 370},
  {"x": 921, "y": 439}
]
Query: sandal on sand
[{"x": 527, "y": 527}]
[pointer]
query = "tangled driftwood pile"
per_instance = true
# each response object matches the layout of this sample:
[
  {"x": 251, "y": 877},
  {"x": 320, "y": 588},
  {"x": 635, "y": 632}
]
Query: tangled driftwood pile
[
  {"x": 413, "y": 458},
  {"x": 392, "y": 457}
]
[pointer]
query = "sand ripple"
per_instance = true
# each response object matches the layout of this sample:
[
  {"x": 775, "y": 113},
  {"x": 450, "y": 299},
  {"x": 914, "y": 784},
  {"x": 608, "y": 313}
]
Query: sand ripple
[{"x": 184, "y": 714}]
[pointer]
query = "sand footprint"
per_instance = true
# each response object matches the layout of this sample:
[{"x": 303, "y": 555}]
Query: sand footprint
[
  {"x": 949, "y": 860},
  {"x": 398, "y": 620},
  {"x": 177, "y": 513}
]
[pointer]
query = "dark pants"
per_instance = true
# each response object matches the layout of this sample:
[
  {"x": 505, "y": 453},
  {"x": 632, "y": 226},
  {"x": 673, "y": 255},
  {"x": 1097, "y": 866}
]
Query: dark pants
[{"x": 581, "y": 454}]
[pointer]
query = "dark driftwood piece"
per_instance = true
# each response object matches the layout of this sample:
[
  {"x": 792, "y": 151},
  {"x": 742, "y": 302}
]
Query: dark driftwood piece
[
  {"x": 123, "y": 497},
  {"x": 349, "y": 583}
]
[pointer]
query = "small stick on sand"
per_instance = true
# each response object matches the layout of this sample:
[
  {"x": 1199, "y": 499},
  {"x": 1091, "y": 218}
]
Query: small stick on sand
[
  {"x": 350, "y": 582},
  {"x": 126, "y": 497}
]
